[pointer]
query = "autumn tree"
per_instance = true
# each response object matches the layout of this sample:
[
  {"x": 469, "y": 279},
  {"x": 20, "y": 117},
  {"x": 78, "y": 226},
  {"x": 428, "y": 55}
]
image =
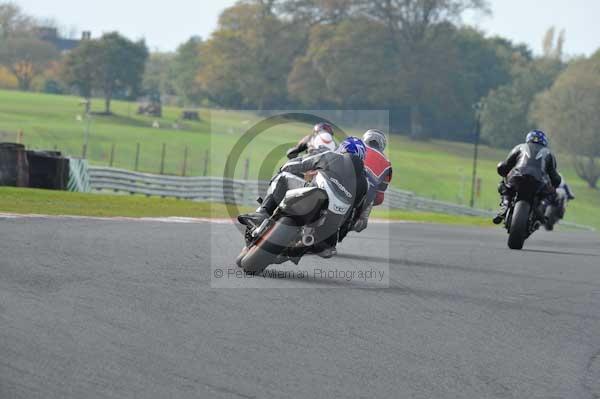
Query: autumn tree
[
  {"x": 506, "y": 115},
  {"x": 112, "y": 64},
  {"x": 569, "y": 111},
  {"x": 248, "y": 58},
  {"x": 505, "y": 118},
  {"x": 122, "y": 66},
  {"x": 21, "y": 53},
  {"x": 315, "y": 12},
  {"x": 26, "y": 58},
  {"x": 552, "y": 44},
  {"x": 14, "y": 22},
  {"x": 342, "y": 68},
  {"x": 480, "y": 64},
  {"x": 159, "y": 75},
  {"x": 185, "y": 66},
  {"x": 415, "y": 27},
  {"x": 82, "y": 66}
]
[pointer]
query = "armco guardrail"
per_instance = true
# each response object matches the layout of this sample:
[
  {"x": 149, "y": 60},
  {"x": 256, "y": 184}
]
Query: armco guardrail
[
  {"x": 238, "y": 191},
  {"x": 209, "y": 189},
  {"x": 245, "y": 192},
  {"x": 400, "y": 199}
]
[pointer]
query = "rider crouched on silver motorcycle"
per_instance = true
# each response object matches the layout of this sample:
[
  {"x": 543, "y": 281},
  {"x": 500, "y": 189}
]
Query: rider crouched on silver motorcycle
[
  {"x": 340, "y": 173},
  {"x": 532, "y": 158}
]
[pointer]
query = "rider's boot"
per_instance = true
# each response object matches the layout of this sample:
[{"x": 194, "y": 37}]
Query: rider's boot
[
  {"x": 326, "y": 248},
  {"x": 327, "y": 252},
  {"x": 501, "y": 215},
  {"x": 265, "y": 211}
]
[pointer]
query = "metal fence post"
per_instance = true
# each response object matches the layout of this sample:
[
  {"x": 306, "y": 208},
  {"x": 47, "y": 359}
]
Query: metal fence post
[
  {"x": 112, "y": 154},
  {"x": 185, "y": 156},
  {"x": 137, "y": 157},
  {"x": 478, "y": 107},
  {"x": 205, "y": 172},
  {"x": 162, "y": 159}
]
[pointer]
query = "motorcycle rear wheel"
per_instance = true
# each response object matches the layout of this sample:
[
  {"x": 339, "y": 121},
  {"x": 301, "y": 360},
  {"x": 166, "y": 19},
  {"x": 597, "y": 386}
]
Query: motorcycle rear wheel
[{"x": 518, "y": 226}]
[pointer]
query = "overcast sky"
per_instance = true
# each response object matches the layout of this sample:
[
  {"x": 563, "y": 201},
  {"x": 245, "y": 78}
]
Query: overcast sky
[{"x": 165, "y": 24}]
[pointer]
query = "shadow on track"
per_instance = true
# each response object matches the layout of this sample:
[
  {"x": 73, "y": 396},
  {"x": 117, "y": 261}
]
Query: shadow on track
[
  {"x": 545, "y": 251},
  {"x": 325, "y": 281},
  {"x": 465, "y": 269},
  {"x": 398, "y": 288}
]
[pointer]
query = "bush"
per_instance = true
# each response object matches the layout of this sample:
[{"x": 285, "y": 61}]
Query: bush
[
  {"x": 52, "y": 86},
  {"x": 7, "y": 79}
]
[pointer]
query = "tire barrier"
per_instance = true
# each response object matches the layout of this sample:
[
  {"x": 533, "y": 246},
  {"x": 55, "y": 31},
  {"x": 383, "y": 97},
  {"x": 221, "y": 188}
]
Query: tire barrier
[
  {"x": 14, "y": 166},
  {"x": 48, "y": 169}
]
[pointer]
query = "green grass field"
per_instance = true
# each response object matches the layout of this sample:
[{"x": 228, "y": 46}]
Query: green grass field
[{"x": 433, "y": 169}]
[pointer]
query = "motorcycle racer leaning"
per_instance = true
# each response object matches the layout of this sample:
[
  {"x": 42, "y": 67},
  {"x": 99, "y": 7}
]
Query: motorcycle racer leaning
[
  {"x": 564, "y": 186},
  {"x": 320, "y": 140},
  {"x": 378, "y": 170},
  {"x": 532, "y": 158},
  {"x": 340, "y": 172},
  {"x": 563, "y": 195}
]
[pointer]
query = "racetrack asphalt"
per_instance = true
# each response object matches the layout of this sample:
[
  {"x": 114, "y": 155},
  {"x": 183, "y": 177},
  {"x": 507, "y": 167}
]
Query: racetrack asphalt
[{"x": 124, "y": 309}]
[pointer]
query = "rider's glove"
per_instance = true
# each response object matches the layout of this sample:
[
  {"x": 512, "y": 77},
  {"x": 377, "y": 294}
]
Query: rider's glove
[
  {"x": 360, "y": 224},
  {"x": 361, "y": 221},
  {"x": 292, "y": 153}
]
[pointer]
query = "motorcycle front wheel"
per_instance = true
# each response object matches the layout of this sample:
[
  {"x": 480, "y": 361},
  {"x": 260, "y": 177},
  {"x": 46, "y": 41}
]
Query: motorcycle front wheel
[
  {"x": 269, "y": 246},
  {"x": 551, "y": 219}
]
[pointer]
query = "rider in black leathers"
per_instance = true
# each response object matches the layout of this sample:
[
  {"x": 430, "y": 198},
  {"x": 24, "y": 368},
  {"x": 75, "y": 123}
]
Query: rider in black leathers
[{"x": 532, "y": 158}]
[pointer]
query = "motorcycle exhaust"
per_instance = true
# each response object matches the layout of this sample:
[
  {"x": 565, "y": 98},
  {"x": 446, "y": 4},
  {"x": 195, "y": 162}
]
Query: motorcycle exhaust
[{"x": 308, "y": 240}]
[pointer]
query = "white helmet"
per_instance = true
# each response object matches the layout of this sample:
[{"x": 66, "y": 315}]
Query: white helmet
[
  {"x": 376, "y": 139},
  {"x": 323, "y": 140}
]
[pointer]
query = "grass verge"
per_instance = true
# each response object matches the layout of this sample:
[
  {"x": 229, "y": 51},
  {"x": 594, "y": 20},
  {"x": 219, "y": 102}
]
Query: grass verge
[
  {"x": 48, "y": 202},
  {"x": 429, "y": 217}
]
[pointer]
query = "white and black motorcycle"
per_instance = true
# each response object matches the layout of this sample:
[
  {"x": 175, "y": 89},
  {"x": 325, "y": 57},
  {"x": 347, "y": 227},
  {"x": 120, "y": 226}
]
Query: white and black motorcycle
[{"x": 303, "y": 219}]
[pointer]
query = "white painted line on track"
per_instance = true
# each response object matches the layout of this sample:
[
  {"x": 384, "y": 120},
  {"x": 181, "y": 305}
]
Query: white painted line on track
[{"x": 173, "y": 219}]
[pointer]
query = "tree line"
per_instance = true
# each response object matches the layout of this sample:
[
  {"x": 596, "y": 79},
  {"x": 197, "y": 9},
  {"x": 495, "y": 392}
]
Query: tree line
[{"x": 412, "y": 57}]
